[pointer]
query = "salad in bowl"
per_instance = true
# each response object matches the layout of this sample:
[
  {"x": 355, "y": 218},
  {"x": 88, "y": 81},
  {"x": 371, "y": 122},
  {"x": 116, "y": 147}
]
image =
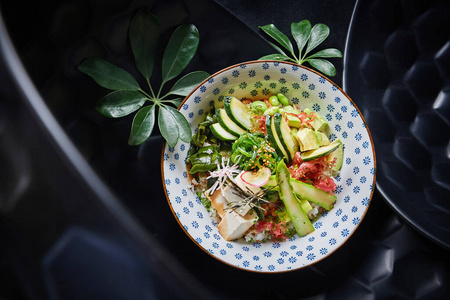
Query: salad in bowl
[{"x": 280, "y": 170}]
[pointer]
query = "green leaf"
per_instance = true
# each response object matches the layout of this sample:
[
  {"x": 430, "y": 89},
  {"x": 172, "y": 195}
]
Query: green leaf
[
  {"x": 175, "y": 102},
  {"x": 108, "y": 75},
  {"x": 300, "y": 31},
  {"x": 120, "y": 103},
  {"x": 276, "y": 56},
  {"x": 318, "y": 34},
  {"x": 323, "y": 66},
  {"x": 278, "y": 49},
  {"x": 184, "y": 129},
  {"x": 188, "y": 82},
  {"x": 327, "y": 53},
  {"x": 168, "y": 126},
  {"x": 144, "y": 32},
  {"x": 142, "y": 126},
  {"x": 278, "y": 36},
  {"x": 179, "y": 51}
]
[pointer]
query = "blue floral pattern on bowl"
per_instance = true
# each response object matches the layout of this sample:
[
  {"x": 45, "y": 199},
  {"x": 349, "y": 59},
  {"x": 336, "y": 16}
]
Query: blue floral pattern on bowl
[{"x": 355, "y": 183}]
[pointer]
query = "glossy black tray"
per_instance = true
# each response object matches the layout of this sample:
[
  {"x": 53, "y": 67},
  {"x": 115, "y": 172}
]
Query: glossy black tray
[{"x": 397, "y": 72}]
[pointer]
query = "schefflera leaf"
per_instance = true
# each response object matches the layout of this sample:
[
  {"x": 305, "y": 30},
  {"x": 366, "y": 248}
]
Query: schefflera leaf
[
  {"x": 300, "y": 31},
  {"x": 144, "y": 32},
  {"x": 108, "y": 75},
  {"x": 278, "y": 36},
  {"x": 120, "y": 103},
  {"x": 319, "y": 33},
  {"x": 188, "y": 82},
  {"x": 179, "y": 51},
  {"x": 173, "y": 126},
  {"x": 323, "y": 66},
  {"x": 142, "y": 126}
]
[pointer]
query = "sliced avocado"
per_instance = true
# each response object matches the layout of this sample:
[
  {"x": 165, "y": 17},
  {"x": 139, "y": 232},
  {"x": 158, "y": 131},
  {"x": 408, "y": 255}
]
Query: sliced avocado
[
  {"x": 293, "y": 121},
  {"x": 307, "y": 139},
  {"x": 289, "y": 109},
  {"x": 323, "y": 139},
  {"x": 319, "y": 123},
  {"x": 271, "y": 110},
  {"x": 339, "y": 155},
  {"x": 322, "y": 151}
]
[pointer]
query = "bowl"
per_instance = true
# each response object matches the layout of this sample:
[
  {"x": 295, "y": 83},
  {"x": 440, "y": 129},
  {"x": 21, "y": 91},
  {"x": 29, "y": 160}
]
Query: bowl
[{"x": 355, "y": 182}]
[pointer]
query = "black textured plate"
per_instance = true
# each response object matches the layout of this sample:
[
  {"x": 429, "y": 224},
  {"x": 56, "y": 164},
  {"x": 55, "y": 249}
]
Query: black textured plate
[{"x": 397, "y": 70}]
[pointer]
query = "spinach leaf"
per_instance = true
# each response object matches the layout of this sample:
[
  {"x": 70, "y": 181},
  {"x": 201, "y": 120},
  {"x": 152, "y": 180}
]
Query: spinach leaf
[{"x": 206, "y": 159}]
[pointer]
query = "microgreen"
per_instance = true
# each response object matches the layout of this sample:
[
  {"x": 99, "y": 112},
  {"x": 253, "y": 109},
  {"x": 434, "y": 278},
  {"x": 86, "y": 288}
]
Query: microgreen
[
  {"x": 128, "y": 96},
  {"x": 305, "y": 36}
]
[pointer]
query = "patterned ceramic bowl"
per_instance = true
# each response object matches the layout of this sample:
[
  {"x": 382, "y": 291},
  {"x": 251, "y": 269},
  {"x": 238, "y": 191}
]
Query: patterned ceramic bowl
[{"x": 355, "y": 184}]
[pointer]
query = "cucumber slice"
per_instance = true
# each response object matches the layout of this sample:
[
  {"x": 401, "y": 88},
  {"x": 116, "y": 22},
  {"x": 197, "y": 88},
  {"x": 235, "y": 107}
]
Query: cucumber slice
[
  {"x": 273, "y": 137},
  {"x": 293, "y": 207},
  {"x": 228, "y": 124},
  {"x": 221, "y": 133},
  {"x": 322, "y": 151},
  {"x": 288, "y": 141},
  {"x": 238, "y": 112},
  {"x": 313, "y": 194}
]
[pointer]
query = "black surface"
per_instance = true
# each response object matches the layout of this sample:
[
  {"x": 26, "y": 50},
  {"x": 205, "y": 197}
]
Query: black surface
[
  {"x": 397, "y": 73},
  {"x": 64, "y": 235}
]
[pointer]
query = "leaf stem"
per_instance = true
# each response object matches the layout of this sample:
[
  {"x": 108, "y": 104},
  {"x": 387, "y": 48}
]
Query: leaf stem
[
  {"x": 150, "y": 86},
  {"x": 160, "y": 88},
  {"x": 145, "y": 94}
]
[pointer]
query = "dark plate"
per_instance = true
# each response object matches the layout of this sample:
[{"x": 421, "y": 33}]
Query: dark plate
[{"x": 397, "y": 70}]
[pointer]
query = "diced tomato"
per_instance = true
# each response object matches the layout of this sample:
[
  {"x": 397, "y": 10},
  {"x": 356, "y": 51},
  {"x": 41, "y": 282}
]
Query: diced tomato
[
  {"x": 305, "y": 118},
  {"x": 273, "y": 229},
  {"x": 261, "y": 122},
  {"x": 267, "y": 102},
  {"x": 327, "y": 184},
  {"x": 316, "y": 172}
]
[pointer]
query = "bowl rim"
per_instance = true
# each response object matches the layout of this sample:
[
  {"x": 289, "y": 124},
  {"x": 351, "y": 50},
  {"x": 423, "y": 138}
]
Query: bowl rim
[{"x": 360, "y": 115}]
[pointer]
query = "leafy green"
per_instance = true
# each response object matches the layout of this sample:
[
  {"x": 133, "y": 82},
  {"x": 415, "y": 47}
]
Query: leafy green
[
  {"x": 108, "y": 75},
  {"x": 179, "y": 51},
  {"x": 127, "y": 96},
  {"x": 252, "y": 151},
  {"x": 205, "y": 159},
  {"x": 186, "y": 83},
  {"x": 203, "y": 130},
  {"x": 144, "y": 32},
  {"x": 142, "y": 126},
  {"x": 120, "y": 103},
  {"x": 305, "y": 35}
]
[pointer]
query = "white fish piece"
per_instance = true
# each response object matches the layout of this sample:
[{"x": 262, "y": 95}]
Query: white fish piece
[
  {"x": 233, "y": 226},
  {"x": 218, "y": 201},
  {"x": 232, "y": 196}
]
